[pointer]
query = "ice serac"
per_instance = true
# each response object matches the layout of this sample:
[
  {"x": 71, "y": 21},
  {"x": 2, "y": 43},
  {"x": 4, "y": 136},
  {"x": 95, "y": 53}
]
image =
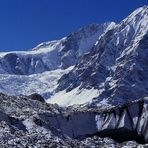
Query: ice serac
[
  {"x": 121, "y": 123},
  {"x": 55, "y": 54},
  {"x": 117, "y": 64}
]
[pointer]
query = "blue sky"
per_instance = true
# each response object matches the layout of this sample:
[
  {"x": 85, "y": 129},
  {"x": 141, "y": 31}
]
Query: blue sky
[{"x": 26, "y": 23}]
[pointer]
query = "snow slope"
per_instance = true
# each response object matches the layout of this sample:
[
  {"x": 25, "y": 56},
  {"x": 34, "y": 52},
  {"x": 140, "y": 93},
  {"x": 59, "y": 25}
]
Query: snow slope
[{"x": 76, "y": 96}]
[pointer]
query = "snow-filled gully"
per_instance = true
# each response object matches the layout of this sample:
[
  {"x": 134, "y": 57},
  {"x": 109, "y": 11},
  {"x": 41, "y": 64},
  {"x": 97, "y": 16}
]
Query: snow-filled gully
[{"x": 127, "y": 122}]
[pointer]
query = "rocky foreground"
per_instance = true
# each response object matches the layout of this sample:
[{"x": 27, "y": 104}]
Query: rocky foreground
[{"x": 30, "y": 122}]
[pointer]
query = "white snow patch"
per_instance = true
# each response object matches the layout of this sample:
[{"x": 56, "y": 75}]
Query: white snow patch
[
  {"x": 30, "y": 125},
  {"x": 76, "y": 96},
  {"x": 99, "y": 122}
]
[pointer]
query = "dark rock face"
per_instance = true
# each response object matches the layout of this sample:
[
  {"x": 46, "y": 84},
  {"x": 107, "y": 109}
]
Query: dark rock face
[
  {"x": 37, "y": 97},
  {"x": 14, "y": 123},
  {"x": 121, "y": 135},
  {"x": 14, "y": 63},
  {"x": 9, "y": 63}
]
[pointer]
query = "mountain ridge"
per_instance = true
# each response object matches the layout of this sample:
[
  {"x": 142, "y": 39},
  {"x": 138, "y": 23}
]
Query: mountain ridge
[
  {"x": 99, "y": 59},
  {"x": 104, "y": 66},
  {"x": 54, "y": 54}
]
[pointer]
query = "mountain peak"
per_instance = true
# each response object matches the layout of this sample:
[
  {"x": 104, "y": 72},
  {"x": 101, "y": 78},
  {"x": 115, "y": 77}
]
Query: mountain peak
[
  {"x": 139, "y": 13},
  {"x": 141, "y": 9},
  {"x": 108, "y": 70}
]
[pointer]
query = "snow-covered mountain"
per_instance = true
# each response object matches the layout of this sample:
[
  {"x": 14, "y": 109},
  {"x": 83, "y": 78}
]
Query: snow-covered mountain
[
  {"x": 99, "y": 74},
  {"x": 98, "y": 64},
  {"x": 115, "y": 70},
  {"x": 38, "y": 70},
  {"x": 55, "y": 54}
]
